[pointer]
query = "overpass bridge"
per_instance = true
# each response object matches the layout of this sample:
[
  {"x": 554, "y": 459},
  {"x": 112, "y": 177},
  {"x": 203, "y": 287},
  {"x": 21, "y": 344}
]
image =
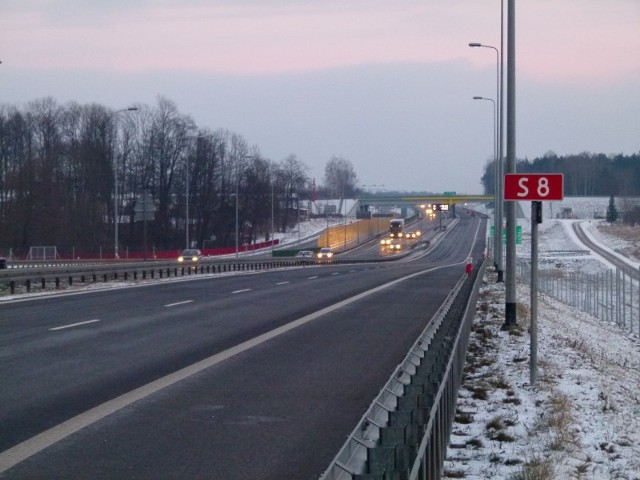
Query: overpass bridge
[{"x": 363, "y": 203}]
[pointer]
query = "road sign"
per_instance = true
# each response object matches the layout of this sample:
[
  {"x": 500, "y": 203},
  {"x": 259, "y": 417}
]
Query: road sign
[
  {"x": 504, "y": 234},
  {"x": 449, "y": 194},
  {"x": 535, "y": 187}
]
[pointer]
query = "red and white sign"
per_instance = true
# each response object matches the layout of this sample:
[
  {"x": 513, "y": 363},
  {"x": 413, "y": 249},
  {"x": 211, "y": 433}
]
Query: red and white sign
[{"x": 535, "y": 187}]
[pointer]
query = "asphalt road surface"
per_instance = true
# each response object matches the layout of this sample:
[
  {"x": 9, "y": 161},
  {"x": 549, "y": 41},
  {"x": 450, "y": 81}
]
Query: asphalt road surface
[{"x": 241, "y": 376}]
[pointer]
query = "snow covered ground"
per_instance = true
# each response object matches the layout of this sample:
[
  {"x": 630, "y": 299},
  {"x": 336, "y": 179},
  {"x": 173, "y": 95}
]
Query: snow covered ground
[{"x": 581, "y": 418}]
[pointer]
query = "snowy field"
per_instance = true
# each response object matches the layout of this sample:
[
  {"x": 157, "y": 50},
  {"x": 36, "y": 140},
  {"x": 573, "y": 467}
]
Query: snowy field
[{"x": 581, "y": 420}]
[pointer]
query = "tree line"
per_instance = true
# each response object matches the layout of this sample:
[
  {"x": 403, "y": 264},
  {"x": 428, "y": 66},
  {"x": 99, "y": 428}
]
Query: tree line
[
  {"x": 585, "y": 174},
  {"x": 69, "y": 172}
]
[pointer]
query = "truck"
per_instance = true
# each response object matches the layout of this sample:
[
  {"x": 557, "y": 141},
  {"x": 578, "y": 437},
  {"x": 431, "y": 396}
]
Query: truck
[{"x": 395, "y": 227}]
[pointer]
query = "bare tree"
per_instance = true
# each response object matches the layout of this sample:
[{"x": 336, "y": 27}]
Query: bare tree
[
  {"x": 293, "y": 174},
  {"x": 340, "y": 177}
]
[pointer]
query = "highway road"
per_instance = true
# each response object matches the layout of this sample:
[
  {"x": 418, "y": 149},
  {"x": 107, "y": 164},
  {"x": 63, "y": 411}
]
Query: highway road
[{"x": 241, "y": 376}]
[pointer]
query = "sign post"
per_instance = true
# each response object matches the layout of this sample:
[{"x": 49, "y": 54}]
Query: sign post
[{"x": 534, "y": 187}]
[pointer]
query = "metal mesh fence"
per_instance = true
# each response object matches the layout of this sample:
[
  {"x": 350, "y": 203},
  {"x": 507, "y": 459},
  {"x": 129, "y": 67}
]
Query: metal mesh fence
[{"x": 612, "y": 296}]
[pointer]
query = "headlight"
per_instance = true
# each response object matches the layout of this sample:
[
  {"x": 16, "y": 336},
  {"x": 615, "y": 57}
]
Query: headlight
[
  {"x": 418, "y": 233},
  {"x": 329, "y": 255},
  {"x": 180, "y": 259},
  {"x": 319, "y": 255},
  {"x": 194, "y": 259}
]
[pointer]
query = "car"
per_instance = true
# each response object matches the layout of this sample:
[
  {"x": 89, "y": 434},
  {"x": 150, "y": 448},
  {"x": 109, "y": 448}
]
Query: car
[
  {"x": 395, "y": 246},
  {"x": 385, "y": 242},
  {"x": 190, "y": 255},
  {"x": 324, "y": 255},
  {"x": 3, "y": 262},
  {"x": 305, "y": 254}
]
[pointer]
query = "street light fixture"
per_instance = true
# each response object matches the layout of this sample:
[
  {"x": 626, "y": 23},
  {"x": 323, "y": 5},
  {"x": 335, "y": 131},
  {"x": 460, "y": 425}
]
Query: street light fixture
[
  {"x": 498, "y": 121},
  {"x": 497, "y": 225},
  {"x": 116, "y": 218}
]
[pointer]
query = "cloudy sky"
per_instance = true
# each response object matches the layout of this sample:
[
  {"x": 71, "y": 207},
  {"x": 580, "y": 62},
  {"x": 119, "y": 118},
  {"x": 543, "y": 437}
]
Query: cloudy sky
[{"x": 386, "y": 84}]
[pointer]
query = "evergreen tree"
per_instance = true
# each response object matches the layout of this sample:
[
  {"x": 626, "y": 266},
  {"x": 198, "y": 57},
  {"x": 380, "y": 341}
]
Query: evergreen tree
[{"x": 612, "y": 212}]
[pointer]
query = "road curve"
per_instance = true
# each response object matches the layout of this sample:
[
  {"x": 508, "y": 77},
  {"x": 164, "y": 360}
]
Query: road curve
[{"x": 610, "y": 257}]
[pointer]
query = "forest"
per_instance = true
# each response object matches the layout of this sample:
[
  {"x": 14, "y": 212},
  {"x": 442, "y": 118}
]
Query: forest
[
  {"x": 585, "y": 174},
  {"x": 69, "y": 172}
]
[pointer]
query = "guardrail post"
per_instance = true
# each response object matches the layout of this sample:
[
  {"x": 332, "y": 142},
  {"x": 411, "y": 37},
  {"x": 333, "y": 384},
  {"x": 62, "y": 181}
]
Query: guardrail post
[
  {"x": 57, "y": 283},
  {"x": 12, "y": 287},
  {"x": 105, "y": 278},
  {"x": 28, "y": 284},
  {"x": 70, "y": 280},
  {"x": 44, "y": 284}
]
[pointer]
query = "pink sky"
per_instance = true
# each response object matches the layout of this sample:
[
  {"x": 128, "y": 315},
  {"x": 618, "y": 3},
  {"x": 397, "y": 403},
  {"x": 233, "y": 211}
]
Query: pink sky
[
  {"x": 368, "y": 80},
  {"x": 557, "y": 40}
]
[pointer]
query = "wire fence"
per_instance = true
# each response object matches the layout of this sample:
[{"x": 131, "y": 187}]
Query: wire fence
[{"x": 612, "y": 296}]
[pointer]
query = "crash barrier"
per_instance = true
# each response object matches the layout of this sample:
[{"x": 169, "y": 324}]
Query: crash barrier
[
  {"x": 613, "y": 295},
  {"x": 55, "y": 277},
  {"x": 405, "y": 432}
]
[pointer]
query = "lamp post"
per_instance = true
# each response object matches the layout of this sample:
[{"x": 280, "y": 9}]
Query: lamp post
[
  {"x": 237, "y": 182},
  {"x": 115, "y": 193},
  {"x": 499, "y": 130},
  {"x": 186, "y": 213},
  {"x": 272, "y": 237},
  {"x": 497, "y": 224},
  {"x": 246, "y": 157}
]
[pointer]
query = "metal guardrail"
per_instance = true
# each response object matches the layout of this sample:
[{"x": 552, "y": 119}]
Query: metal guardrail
[
  {"x": 104, "y": 272},
  {"x": 563, "y": 253},
  {"x": 405, "y": 432}
]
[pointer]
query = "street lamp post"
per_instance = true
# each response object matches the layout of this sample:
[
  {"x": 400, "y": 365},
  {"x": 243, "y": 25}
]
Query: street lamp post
[
  {"x": 272, "y": 223},
  {"x": 237, "y": 182},
  {"x": 247, "y": 157},
  {"x": 115, "y": 193},
  {"x": 497, "y": 224},
  {"x": 499, "y": 131}
]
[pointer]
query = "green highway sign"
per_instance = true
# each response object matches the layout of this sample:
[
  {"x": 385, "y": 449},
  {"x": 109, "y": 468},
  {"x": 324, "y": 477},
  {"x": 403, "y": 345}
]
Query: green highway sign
[
  {"x": 449, "y": 194},
  {"x": 504, "y": 234}
]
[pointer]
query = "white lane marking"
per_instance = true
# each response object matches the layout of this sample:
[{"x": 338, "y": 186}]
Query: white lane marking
[
  {"x": 242, "y": 290},
  {"x": 178, "y": 303},
  {"x": 71, "y": 325},
  {"x": 335, "y": 273},
  {"x": 34, "y": 445},
  {"x": 312, "y": 278},
  {"x": 282, "y": 283}
]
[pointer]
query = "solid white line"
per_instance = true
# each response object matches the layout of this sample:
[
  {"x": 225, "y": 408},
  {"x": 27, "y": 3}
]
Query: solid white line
[
  {"x": 243, "y": 290},
  {"x": 73, "y": 325},
  {"x": 36, "y": 444},
  {"x": 178, "y": 303},
  {"x": 282, "y": 283}
]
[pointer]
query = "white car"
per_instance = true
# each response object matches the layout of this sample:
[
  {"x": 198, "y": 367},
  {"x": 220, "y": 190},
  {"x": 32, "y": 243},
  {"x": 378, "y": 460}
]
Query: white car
[
  {"x": 324, "y": 255},
  {"x": 190, "y": 255}
]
